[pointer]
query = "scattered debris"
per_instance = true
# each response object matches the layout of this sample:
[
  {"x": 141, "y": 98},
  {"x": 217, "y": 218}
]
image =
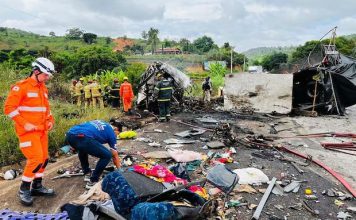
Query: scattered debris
[
  {"x": 178, "y": 141},
  {"x": 215, "y": 144},
  {"x": 157, "y": 155},
  {"x": 293, "y": 186},
  {"x": 343, "y": 215},
  {"x": 351, "y": 209},
  {"x": 263, "y": 201},
  {"x": 190, "y": 133},
  {"x": 184, "y": 155},
  {"x": 245, "y": 188},
  {"x": 278, "y": 190},
  {"x": 251, "y": 176},
  {"x": 67, "y": 174},
  {"x": 307, "y": 206}
]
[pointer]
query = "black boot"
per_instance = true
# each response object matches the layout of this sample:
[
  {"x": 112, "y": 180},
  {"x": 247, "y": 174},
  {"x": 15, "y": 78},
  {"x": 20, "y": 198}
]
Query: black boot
[
  {"x": 25, "y": 194},
  {"x": 39, "y": 190}
]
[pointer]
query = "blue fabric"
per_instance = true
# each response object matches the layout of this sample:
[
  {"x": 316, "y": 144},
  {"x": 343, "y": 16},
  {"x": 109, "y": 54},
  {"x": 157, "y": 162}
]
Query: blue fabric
[
  {"x": 122, "y": 195},
  {"x": 12, "y": 215},
  {"x": 89, "y": 146},
  {"x": 154, "y": 211},
  {"x": 98, "y": 130}
]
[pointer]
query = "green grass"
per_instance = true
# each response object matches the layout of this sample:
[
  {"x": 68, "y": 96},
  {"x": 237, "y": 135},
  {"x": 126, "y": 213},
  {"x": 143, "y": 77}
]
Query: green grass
[{"x": 16, "y": 39}]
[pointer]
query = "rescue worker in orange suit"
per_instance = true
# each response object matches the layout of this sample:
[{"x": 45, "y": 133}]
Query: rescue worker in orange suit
[
  {"x": 28, "y": 106},
  {"x": 96, "y": 94},
  {"x": 87, "y": 94},
  {"x": 127, "y": 95}
]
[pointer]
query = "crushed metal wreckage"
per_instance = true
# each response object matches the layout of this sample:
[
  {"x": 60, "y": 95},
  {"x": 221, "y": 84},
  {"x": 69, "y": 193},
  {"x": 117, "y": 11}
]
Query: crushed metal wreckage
[
  {"x": 325, "y": 84},
  {"x": 148, "y": 80},
  {"x": 327, "y": 87}
]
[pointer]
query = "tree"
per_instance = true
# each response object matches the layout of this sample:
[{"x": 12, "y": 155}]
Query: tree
[
  {"x": 144, "y": 35},
  {"x": 302, "y": 52},
  {"x": 153, "y": 39},
  {"x": 273, "y": 61},
  {"x": 90, "y": 60},
  {"x": 167, "y": 43},
  {"x": 74, "y": 33},
  {"x": 203, "y": 44},
  {"x": 89, "y": 38},
  {"x": 52, "y": 34},
  {"x": 108, "y": 40},
  {"x": 4, "y": 29},
  {"x": 186, "y": 45},
  {"x": 224, "y": 54},
  {"x": 226, "y": 45}
]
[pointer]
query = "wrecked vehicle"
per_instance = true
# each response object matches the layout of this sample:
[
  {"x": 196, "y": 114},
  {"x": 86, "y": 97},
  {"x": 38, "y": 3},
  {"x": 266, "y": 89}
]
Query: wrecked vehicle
[
  {"x": 148, "y": 81},
  {"x": 327, "y": 87}
]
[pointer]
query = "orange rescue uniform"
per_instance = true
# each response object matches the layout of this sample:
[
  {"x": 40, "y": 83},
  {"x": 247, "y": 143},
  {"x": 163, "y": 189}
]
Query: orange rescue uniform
[
  {"x": 127, "y": 95},
  {"x": 28, "y": 103}
]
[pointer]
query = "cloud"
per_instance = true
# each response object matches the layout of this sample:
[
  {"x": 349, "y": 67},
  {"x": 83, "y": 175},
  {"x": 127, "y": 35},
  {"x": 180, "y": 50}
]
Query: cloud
[{"x": 243, "y": 23}]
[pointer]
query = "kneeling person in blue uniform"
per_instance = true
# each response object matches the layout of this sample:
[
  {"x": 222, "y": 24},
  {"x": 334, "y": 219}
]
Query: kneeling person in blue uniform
[{"x": 88, "y": 139}]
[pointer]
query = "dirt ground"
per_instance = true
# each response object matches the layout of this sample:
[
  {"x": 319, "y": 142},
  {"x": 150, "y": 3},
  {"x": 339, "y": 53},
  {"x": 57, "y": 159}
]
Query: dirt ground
[{"x": 277, "y": 207}]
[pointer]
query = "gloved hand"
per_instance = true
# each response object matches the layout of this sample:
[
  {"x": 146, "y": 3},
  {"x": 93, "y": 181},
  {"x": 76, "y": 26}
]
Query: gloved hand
[
  {"x": 30, "y": 127},
  {"x": 49, "y": 126}
]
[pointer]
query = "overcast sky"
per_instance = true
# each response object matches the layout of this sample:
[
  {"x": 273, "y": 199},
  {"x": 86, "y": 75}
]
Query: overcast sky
[{"x": 244, "y": 23}]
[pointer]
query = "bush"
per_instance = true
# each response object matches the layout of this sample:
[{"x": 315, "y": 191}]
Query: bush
[{"x": 87, "y": 61}]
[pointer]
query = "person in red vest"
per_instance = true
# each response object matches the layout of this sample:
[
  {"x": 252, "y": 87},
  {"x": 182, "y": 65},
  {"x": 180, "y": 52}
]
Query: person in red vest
[{"x": 126, "y": 95}]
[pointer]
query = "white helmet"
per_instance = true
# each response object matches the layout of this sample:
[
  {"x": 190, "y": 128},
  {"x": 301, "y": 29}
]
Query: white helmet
[{"x": 45, "y": 65}]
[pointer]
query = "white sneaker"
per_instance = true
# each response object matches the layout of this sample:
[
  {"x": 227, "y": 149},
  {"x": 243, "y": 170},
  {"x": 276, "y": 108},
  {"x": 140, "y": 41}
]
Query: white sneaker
[
  {"x": 90, "y": 184},
  {"x": 87, "y": 177}
]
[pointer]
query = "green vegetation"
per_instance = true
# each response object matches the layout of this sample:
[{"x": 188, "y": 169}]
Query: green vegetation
[
  {"x": 273, "y": 61},
  {"x": 12, "y": 39},
  {"x": 345, "y": 45},
  {"x": 217, "y": 76},
  {"x": 133, "y": 72}
]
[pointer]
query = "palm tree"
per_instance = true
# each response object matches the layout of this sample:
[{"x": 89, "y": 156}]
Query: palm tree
[{"x": 153, "y": 38}]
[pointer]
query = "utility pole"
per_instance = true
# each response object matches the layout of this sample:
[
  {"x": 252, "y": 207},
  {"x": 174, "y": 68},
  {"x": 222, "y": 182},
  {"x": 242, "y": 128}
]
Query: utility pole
[
  {"x": 232, "y": 49},
  {"x": 244, "y": 62}
]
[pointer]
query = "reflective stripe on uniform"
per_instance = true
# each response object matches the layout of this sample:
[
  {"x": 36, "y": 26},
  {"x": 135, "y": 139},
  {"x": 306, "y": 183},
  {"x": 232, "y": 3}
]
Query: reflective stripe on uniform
[
  {"x": 167, "y": 88},
  {"x": 26, "y": 179},
  {"x": 163, "y": 100},
  {"x": 25, "y": 144},
  {"x": 32, "y": 94},
  {"x": 38, "y": 175},
  {"x": 32, "y": 109},
  {"x": 13, "y": 113}
]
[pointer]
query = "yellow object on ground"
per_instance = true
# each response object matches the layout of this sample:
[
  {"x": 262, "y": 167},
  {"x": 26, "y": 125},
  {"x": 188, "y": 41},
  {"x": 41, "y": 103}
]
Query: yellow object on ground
[
  {"x": 127, "y": 134},
  {"x": 308, "y": 191}
]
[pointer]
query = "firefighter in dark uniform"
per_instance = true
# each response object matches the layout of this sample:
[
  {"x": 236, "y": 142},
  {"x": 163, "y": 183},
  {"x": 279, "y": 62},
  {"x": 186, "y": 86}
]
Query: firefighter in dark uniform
[
  {"x": 115, "y": 94},
  {"x": 163, "y": 93}
]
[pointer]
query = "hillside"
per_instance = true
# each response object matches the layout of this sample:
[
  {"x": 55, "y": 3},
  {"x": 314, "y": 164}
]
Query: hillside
[
  {"x": 11, "y": 39},
  {"x": 259, "y": 52}
]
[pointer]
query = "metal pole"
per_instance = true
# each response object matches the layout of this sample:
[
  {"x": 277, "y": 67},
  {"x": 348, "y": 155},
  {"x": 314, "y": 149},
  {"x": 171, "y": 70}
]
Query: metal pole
[
  {"x": 231, "y": 60},
  {"x": 244, "y": 62},
  {"x": 263, "y": 201}
]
